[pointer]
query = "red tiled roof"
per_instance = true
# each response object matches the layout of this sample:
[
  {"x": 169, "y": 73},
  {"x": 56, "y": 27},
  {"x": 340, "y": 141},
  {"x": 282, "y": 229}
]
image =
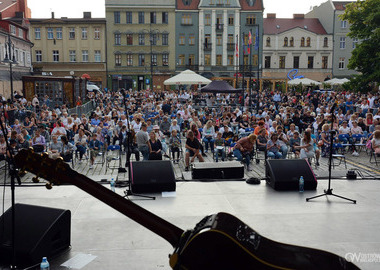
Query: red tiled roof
[
  {"x": 313, "y": 25},
  {"x": 193, "y": 6},
  {"x": 258, "y": 5},
  {"x": 341, "y": 5}
]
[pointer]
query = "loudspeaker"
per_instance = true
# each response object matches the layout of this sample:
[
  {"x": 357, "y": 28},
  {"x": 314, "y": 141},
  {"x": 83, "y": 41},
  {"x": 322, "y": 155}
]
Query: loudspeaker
[
  {"x": 39, "y": 232},
  {"x": 151, "y": 176},
  {"x": 220, "y": 170},
  {"x": 284, "y": 174}
]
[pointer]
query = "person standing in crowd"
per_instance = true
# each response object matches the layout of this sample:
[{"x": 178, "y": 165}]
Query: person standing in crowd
[
  {"x": 244, "y": 149},
  {"x": 192, "y": 150},
  {"x": 142, "y": 140},
  {"x": 155, "y": 147}
]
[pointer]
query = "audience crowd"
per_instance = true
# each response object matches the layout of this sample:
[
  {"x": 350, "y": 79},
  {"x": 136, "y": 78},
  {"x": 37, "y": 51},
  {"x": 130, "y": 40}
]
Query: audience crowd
[{"x": 157, "y": 125}]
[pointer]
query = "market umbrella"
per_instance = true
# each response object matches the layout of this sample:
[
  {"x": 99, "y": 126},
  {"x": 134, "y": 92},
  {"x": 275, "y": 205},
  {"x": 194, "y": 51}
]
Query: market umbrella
[
  {"x": 219, "y": 87},
  {"x": 303, "y": 81},
  {"x": 187, "y": 77},
  {"x": 337, "y": 81},
  {"x": 86, "y": 76}
]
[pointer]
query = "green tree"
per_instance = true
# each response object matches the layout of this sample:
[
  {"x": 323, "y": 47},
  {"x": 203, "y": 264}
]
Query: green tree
[{"x": 364, "y": 17}]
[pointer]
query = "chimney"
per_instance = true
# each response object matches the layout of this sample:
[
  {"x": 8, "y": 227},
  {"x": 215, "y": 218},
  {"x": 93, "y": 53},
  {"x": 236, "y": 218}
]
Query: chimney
[
  {"x": 52, "y": 15},
  {"x": 298, "y": 16},
  {"x": 271, "y": 16},
  {"x": 86, "y": 15}
]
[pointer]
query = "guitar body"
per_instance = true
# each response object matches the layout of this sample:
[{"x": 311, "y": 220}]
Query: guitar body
[{"x": 224, "y": 242}]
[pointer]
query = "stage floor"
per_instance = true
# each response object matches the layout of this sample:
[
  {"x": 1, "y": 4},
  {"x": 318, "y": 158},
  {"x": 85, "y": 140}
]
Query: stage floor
[{"x": 117, "y": 242}]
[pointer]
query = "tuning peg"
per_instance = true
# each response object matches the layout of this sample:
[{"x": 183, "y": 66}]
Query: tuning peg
[
  {"x": 31, "y": 149},
  {"x": 35, "y": 179},
  {"x": 49, "y": 185}
]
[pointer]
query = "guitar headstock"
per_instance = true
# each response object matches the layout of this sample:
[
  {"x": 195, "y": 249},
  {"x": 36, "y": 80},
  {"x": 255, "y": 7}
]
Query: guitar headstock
[{"x": 53, "y": 170}]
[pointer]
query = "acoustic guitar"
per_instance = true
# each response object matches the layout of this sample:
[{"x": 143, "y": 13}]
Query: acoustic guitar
[{"x": 219, "y": 241}]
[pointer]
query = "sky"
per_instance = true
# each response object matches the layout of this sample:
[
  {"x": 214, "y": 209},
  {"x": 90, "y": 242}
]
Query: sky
[{"x": 75, "y": 8}]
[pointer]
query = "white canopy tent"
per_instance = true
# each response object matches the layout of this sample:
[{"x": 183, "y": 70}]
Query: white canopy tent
[
  {"x": 337, "y": 81},
  {"x": 187, "y": 77},
  {"x": 303, "y": 81}
]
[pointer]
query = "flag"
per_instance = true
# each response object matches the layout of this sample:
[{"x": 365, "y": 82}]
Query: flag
[
  {"x": 243, "y": 44},
  {"x": 257, "y": 41},
  {"x": 249, "y": 38},
  {"x": 237, "y": 46}
]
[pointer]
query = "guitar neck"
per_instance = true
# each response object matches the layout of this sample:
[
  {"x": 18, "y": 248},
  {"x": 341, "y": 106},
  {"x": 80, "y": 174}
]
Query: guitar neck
[{"x": 166, "y": 230}]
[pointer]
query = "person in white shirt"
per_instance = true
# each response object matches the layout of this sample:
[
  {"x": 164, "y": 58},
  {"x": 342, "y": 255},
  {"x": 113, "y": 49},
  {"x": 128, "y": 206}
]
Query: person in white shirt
[{"x": 208, "y": 135}]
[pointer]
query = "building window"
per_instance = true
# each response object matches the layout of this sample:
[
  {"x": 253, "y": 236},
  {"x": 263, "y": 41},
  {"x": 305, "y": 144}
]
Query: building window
[
  {"x": 129, "y": 60},
  {"x": 325, "y": 42},
  {"x": 154, "y": 59},
  {"x": 50, "y": 33},
  {"x": 268, "y": 42},
  {"x": 207, "y": 19},
  {"x": 59, "y": 32},
  {"x": 191, "y": 39},
  {"x": 55, "y": 56},
  {"x": 153, "y": 18},
  {"x": 186, "y": 19},
  {"x": 37, "y": 33},
  {"x": 13, "y": 30},
  {"x": 116, "y": 15},
  {"x": 267, "y": 62},
  {"x": 165, "y": 18},
  {"x": 285, "y": 42},
  {"x": 219, "y": 60},
  {"x": 38, "y": 56},
  {"x": 291, "y": 42},
  {"x": 153, "y": 39},
  {"x": 97, "y": 33},
  {"x": 230, "y": 60},
  {"x": 296, "y": 62},
  {"x": 308, "y": 42},
  {"x": 141, "y": 60},
  {"x": 325, "y": 60},
  {"x": 117, "y": 59},
  {"x": 219, "y": 40},
  {"x": 129, "y": 17},
  {"x": 72, "y": 33},
  {"x": 181, "y": 40},
  {"x": 165, "y": 39},
  {"x": 129, "y": 39},
  {"x": 207, "y": 59},
  {"x": 20, "y": 33},
  {"x": 310, "y": 62},
  {"x": 72, "y": 56},
  {"x": 342, "y": 43},
  {"x": 245, "y": 60},
  {"x": 231, "y": 20},
  {"x": 302, "y": 42},
  {"x": 84, "y": 33},
  {"x": 343, "y": 24},
  {"x": 98, "y": 56},
  {"x": 251, "y": 20},
  {"x": 141, "y": 39},
  {"x": 191, "y": 59},
  {"x": 141, "y": 17},
  {"x": 282, "y": 62},
  {"x": 165, "y": 59},
  {"x": 354, "y": 42},
  {"x": 85, "y": 56},
  {"x": 341, "y": 62},
  {"x": 117, "y": 39},
  {"x": 181, "y": 60}
]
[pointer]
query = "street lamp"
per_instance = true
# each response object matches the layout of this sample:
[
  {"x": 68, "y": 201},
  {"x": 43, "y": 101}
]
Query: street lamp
[
  {"x": 11, "y": 59},
  {"x": 151, "y": 33}
]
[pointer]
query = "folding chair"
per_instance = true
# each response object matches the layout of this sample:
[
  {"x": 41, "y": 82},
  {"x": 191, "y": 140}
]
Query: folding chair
[
  {"x": 340, "y": 157},
  {"x": 357, "y": 139},
  {"x": 113, "y": 153},
  {"x": 373, "y": 156}
]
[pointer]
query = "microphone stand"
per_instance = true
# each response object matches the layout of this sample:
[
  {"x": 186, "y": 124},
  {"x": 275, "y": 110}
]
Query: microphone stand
[
  {"x": 14, "y": 175},
  {"x": 329, "y": 190}
]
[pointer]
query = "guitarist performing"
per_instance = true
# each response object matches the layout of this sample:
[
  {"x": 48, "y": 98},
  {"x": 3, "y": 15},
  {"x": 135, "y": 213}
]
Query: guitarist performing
[{"x": 219, "y": 241}]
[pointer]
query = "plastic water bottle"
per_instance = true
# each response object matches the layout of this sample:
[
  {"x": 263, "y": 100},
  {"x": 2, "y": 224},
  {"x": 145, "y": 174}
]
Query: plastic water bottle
[
  {"x": 302, "y": 183},
  {"x": 113, "y": 184},
  {"x": 44, "y": 264}
]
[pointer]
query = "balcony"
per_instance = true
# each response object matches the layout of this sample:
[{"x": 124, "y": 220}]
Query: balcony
[
  {"x": 192, "y": 67},
  {"x": 207, "y": 46},
  {"x": 230, "y": 46},
  {"x": 219, "y": 27},
  {"x": 186, "y": 23}
]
